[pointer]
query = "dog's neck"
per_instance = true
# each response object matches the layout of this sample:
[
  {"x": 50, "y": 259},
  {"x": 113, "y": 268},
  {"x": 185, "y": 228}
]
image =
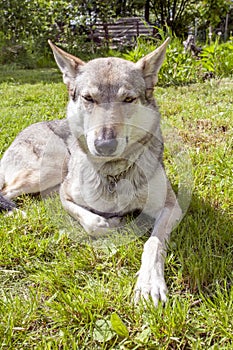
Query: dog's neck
[
  {"x": 118, "y": 167},
  {"x": 112, "y": 180},
  {"x": 115, "y": 168},
  {"x": 112, "y": 170}
]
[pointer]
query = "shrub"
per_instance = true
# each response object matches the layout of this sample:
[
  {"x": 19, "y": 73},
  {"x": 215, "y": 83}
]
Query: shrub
[
  {"x": 218, "y": 59},
  {"x": 180, "y": 67}
]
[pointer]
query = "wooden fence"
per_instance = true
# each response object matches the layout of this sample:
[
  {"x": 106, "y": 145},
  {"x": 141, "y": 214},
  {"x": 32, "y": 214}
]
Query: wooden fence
[{"x": 122, "y": 32}]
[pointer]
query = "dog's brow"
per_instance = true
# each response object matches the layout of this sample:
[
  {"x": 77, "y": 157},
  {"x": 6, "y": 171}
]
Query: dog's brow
[
  {"x": 92, "y": 90},
  {"x": 127, "y": 90}
]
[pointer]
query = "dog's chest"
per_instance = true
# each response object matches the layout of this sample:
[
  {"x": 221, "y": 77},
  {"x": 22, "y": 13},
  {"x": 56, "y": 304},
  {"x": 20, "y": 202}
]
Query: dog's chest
[
  {"x": 106, "y": 193},
  {"x": 134, "y": 189}
]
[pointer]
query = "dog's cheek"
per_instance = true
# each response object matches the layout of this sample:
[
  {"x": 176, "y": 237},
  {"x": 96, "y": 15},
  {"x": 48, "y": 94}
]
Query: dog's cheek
[{"x": 76, "y": 117}]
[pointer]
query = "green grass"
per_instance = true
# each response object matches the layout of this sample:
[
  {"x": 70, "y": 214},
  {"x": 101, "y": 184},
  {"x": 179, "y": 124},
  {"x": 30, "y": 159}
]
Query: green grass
[{"x": 59, "y": 291}]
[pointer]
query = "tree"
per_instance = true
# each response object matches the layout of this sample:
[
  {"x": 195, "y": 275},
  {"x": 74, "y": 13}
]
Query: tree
[
  {"x": 176, "y": 14},
  {"x": 147, "y": 10},
  {"x": 212, "y": 11}
]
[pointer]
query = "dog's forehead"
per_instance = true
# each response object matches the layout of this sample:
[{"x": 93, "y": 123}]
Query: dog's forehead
[{"x": 111, "y": 71}]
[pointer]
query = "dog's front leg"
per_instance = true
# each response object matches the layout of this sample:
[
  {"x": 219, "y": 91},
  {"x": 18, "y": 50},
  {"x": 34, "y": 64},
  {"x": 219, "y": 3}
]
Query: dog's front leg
[
  {"x": 91, "y": 222},
  {"x": 151, "y": 282}
]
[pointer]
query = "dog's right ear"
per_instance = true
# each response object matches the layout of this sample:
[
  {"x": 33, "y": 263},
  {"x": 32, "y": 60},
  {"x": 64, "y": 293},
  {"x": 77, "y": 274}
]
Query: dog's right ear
[
  {"x": 68, "y": 64},
  {"x": 150, "y": 66}
]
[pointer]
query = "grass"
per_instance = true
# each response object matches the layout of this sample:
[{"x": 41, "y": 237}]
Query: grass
[{"x": 59, "y": 291}]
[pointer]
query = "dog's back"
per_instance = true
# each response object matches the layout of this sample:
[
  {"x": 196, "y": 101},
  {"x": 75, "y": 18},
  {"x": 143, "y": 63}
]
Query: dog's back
[{"x": 37, "y": 159}]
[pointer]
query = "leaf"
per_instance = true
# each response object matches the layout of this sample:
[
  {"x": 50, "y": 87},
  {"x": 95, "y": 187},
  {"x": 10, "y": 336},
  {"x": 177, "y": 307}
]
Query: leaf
[
  {"x": 103, "y": 331},
  {"x": 143, "y": 337},
  {"x": 118, "y": 326}
]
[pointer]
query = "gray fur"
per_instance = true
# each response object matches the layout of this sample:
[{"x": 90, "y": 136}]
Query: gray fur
[{"x": 106, "y": 157}]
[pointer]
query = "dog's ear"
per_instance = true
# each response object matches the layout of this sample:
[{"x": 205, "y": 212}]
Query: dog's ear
[
  {"x": 68, "y": 64},
  {"x": 151, "y": 63}
]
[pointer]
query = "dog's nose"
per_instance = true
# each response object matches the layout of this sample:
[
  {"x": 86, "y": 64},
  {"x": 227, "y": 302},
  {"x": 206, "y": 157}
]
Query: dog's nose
[{"x": 105, "y": 147}]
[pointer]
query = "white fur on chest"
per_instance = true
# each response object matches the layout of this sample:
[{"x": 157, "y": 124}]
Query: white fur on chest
[{"x": 90, "y": 189}]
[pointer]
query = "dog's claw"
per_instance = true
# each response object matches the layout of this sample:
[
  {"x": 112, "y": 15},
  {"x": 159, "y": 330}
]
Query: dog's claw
[{"x": 155, "y": 288}]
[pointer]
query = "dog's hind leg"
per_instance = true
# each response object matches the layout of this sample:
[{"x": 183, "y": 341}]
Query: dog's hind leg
[
  {"x": 2, "y": 178},
  {"x": 36, "y": 161},
  {"x": 24, "y": 181},
  {"x": 5, "y": 203}
]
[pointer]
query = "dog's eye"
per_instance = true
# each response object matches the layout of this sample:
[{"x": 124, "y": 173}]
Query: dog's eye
[
  {"x": 130, "y": 99},
  {"x": 88, "y": 98}
]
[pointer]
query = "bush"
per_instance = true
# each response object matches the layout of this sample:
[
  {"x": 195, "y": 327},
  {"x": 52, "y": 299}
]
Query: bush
[
  {"x": 178, "y": 68},
  {"x": 218, "y": 59},
  {"x": 181, "y": 68}
]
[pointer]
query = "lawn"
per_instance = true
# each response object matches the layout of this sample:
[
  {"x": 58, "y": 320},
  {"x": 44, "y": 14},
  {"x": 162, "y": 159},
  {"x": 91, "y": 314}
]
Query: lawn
[{"x": 61, "y": 290}]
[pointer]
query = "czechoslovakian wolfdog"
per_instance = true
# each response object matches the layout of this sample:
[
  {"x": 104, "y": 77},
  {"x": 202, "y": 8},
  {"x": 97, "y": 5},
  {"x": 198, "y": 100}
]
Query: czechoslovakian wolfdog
[{"x": 106, "y": 158}]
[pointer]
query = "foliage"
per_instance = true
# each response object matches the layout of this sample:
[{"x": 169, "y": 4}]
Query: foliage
[
  {"x": 58, "y": 292},
  {"x": 218, "y": 59},
  {"x": 211, "y": 11},
  {"x": 26, "y": 26},
  {"x": 180, "y": 67},
  {"x": 177, "y": 14}
]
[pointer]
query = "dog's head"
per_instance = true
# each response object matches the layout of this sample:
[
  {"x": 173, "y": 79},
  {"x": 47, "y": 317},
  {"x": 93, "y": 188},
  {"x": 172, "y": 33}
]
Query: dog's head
[{"x": 111, "y": 99}]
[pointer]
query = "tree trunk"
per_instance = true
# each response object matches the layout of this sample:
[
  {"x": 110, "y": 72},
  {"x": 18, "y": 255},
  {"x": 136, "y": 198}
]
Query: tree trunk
[{"x": 147, "y": 11}]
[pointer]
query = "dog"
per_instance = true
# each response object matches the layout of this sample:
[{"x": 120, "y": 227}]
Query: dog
[{"x": 105, "y": 158}]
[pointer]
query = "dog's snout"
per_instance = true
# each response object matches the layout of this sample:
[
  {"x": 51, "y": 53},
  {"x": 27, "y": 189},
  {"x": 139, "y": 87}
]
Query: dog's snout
[
  {"x": 105, "y": 147},
  {"x": 106, "y": 141}
]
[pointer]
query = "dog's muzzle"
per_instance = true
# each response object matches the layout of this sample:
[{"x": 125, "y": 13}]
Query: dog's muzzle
[
  {"x": 105, "y": 147},
  {"x": 106, "y": 142}
]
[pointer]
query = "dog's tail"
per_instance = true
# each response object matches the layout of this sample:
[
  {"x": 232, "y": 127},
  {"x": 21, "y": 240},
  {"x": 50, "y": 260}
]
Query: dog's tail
[{"x": 5, "y": 204}]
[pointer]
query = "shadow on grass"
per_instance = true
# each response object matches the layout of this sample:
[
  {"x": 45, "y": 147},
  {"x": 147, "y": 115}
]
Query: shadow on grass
[
  {"x": 29, "y": 76},
  {"x": 201, "y": 247}
]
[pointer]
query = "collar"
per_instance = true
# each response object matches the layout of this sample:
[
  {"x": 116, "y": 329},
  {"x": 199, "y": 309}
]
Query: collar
[{"x": 112, "y": 180}]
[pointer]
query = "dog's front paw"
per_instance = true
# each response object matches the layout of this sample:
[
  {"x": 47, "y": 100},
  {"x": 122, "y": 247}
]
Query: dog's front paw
[
  {"x": 114, "y": 222},
  {"x": 150, "y": 286},
  {"x": 95, "y": 224},
  {"x": 151, "y": 283}
]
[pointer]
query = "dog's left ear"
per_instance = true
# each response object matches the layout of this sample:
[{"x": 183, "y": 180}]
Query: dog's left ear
[
  {"x": 69, "y": 65},
  {"x": 151, "y": 63}
]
